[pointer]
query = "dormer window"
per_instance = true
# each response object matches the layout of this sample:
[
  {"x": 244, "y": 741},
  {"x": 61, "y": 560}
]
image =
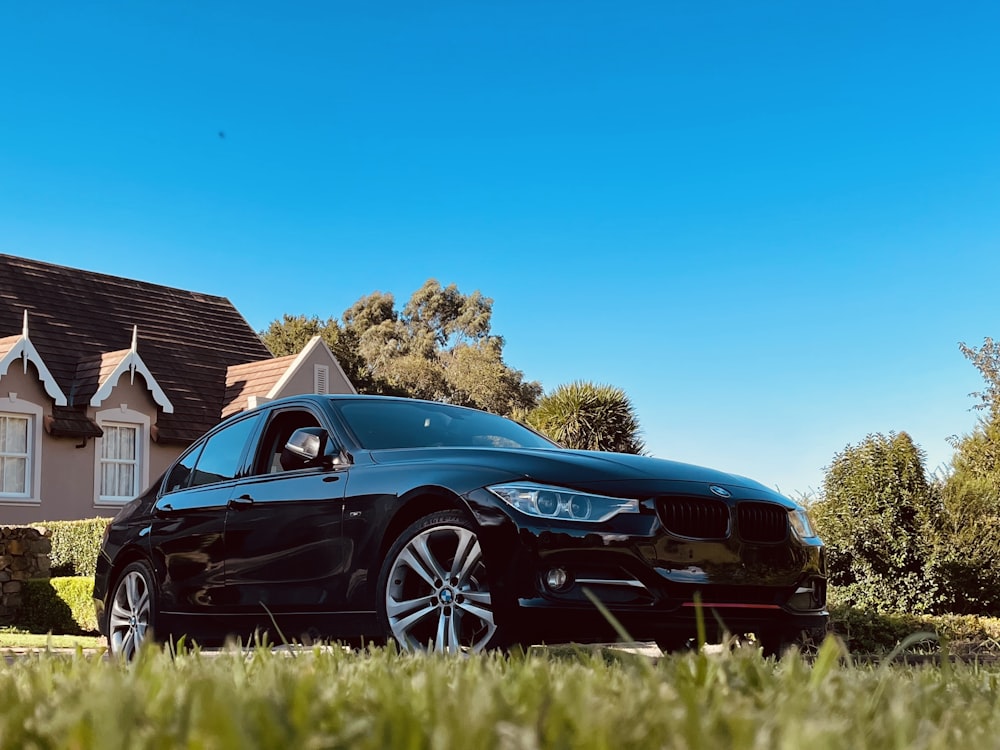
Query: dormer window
[
  {"x": 119, "y": 461},
  {"x": 121, "y": 468}
]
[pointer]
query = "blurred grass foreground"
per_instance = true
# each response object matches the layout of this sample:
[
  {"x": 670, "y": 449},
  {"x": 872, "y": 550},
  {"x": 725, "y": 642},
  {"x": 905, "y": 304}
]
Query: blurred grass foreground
[{"x": 378, "y": 698}]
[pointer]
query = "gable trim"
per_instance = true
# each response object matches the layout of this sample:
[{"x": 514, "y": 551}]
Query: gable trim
[
  {"x": 132, "y": 363},
  {"x": 24, "y": 350}
]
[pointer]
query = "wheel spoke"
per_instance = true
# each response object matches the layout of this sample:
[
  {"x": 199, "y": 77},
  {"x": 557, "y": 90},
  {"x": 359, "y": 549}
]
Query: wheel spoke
[
  {"x": 478, "y": 604},
  {"x": 420, "y": 548},
  {"x": 402, "y": 626},
  {"x": 128, "y": 645},
  {"x": 466, "y": 556},
  {"x": 119, "y": 615},
  {"x": 142, "y": 606},
  {"x": 447, "y": 634},
  {"x": 410, "y": 560},
  {"x": 132, "y": 591},
  {"x": 400, "y": 607}
]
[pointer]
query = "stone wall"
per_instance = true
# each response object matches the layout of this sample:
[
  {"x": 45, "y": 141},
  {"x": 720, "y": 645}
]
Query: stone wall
[{"x": 24, "y": 554}]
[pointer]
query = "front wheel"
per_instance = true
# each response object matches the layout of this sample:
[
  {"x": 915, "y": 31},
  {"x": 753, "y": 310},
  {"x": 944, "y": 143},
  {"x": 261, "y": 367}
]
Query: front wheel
[
  {"x": 433, "y": 591},
  {"x": 133, "y": 610},
  {"x": 779, "y": 642}
]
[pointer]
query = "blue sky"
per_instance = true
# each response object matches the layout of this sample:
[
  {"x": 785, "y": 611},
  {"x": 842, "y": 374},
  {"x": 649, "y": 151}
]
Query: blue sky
[{"x": 769, "y": 223}]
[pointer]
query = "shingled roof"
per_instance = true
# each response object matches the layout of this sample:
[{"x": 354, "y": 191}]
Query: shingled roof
[{"x": 80, "y": 322}]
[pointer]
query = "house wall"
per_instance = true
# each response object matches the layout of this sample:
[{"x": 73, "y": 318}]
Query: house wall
[
  {"x": 302, "y": 380},
  {"x": 20, "y": 392},
  {"x": 69, "y": 465}
]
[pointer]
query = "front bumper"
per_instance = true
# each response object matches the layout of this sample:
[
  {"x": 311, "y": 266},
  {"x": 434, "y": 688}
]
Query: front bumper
[{"x": 654, "y": 583}]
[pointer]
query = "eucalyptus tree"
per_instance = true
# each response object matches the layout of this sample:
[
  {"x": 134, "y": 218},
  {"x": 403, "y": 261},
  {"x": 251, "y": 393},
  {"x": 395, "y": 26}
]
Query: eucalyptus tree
[{"x": 439, "y": 346}]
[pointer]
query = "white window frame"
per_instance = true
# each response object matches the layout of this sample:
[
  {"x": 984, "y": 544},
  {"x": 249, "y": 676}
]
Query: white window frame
[
  {"x": 11, "y": 406},
  {"x": 122, "y": 417}
]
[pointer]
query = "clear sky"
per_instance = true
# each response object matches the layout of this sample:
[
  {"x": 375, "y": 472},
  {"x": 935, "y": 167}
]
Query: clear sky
[{"x": 770, "y": 223}]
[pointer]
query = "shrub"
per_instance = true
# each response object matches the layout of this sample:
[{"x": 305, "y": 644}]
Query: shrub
[
  {"x": 877, "y": 518},
  {"x": 62, "y": 606},
  {"x": 75, "y": 545}
]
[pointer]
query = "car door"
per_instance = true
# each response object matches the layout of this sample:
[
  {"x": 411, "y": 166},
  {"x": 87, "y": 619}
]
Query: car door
[
  {"x": 283, "y": 543},
  {"x": 186, "y": 535}
]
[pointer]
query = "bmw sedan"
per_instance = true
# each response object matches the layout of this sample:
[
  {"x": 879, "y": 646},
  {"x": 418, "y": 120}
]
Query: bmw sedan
[{"x": 366, "y": 518}]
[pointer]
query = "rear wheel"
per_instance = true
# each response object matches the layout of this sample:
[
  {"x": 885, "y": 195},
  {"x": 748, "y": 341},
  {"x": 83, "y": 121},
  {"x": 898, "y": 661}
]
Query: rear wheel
[
  {"x": 133, "y": 610},
  {"x": 433, "y": 590}
]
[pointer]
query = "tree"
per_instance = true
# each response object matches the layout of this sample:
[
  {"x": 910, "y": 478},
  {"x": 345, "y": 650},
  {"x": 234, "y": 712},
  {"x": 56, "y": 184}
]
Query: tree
[
  {"x": 438, "y": 347},
  {"x": 986, "y": 359},
  {"x": 968, "y": 553},
  {"x": 586, "y": 416},
  {"x": 290, "y": 335},
  {"x": 877, "y": 517}
]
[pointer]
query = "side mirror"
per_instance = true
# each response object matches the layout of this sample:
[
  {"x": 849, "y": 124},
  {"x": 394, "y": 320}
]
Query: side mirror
[{"x": 308, "y": 446}]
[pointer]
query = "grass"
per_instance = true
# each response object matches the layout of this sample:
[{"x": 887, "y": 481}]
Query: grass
[
  {"x": 331, "y": 698},
  {"x": 13, "y": 638}
]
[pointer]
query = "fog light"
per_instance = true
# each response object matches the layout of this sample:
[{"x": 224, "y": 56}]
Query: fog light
[{"x": 556, "y": 578}]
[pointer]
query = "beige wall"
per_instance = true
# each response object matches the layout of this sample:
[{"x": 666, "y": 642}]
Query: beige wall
[
  {"x": 302, "y": 380},
  {"x": 68, "y": 465},
  {"x": 17, "y": 391}
]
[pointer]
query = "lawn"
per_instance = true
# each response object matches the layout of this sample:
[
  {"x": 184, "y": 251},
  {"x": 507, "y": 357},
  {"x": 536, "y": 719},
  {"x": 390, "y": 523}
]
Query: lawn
[
  {"x": 332, "y": 698},
  {"x": 12, "y": 638}
]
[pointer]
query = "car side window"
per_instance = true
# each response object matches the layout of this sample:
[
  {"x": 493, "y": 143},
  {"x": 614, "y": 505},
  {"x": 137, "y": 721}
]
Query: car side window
[
  {"x": 221, "y": 458},
  {"x": 279, "y": 429},
  {"x": 180, "y": 474}
]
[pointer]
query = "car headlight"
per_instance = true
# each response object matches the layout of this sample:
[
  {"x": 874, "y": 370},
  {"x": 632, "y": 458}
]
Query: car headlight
[
  {"x": 558, "y": 502},
  {"x": 800, "y": 522}
]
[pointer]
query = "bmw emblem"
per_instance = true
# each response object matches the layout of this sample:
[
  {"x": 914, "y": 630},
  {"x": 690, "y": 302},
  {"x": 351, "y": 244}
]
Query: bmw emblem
[{"x": 720, "y": 491}]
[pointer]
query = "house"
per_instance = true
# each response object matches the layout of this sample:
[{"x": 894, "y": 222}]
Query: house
[{"x": 104, "y": 381}]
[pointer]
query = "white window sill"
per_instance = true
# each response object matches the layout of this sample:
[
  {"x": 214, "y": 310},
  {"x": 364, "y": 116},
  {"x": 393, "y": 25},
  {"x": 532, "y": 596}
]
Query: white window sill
[{"x": 14, "y": 500}]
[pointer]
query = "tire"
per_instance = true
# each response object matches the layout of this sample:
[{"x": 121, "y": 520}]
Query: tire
[
  {"x": 433, "y": 591},
  {"x": 778, "y": 643},
  {"x": 132, "y": 611}
]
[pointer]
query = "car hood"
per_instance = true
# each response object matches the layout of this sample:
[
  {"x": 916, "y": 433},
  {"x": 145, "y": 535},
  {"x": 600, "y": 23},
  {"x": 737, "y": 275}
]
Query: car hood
[{"x": 583, "y": 470}]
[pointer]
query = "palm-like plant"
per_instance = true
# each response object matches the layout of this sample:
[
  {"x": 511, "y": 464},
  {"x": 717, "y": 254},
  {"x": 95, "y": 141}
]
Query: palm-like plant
[{"x": 587, "y": 416}]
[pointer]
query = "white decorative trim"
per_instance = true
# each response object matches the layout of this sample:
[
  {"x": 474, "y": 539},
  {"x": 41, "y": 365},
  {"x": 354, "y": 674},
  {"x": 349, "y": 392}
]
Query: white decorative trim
[
  {"x": 132, "y": 363},
  {"x": 24, "y": 350},
  {"x": 33, "y": 412},
  {"x": 299, "y": 361},
  {"x": 122, "y": 415}
]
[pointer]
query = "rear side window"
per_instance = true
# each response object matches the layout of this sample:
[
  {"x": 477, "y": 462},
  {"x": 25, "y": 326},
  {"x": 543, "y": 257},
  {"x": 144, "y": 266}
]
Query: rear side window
[
  {"x": 215, "y": 460},
  {"x": 180, "y": 475}
]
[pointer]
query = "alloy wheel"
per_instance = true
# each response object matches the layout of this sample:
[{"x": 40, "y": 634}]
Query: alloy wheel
[
  {"x": 130, "y": 614},
  {"x": 436, "y": 594}
]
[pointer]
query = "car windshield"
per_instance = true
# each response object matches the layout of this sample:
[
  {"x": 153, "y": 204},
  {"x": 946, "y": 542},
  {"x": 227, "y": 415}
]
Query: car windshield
[{"x": 378, "y": 425}]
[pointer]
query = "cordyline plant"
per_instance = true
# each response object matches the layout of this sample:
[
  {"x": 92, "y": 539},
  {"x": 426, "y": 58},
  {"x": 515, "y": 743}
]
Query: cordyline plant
[{"x": 586, "y": 416}]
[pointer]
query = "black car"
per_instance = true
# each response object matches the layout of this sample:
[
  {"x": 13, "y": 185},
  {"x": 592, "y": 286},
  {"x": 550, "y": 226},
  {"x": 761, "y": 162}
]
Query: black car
[{"x": 368, "y": 518}]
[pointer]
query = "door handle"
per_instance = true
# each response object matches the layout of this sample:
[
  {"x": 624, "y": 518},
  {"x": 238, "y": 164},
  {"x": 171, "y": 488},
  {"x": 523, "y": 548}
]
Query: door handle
[{"x": 243, "y": 501}]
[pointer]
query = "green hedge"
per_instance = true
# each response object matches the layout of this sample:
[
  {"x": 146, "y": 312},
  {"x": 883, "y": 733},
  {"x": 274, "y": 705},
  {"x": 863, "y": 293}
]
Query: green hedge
[
  {"x": 75, "y": 545},
  {"x": 61, "y": 606},
  {"x": 869, "y": 632}
]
